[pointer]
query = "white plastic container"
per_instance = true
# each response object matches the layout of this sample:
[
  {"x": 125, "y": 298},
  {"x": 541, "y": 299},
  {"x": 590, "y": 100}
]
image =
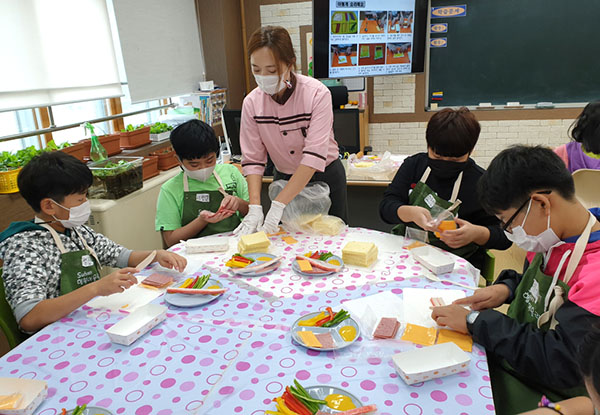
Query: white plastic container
[
  {"x": 160, "y": 137},
  {"x": 136, "y": 324},
  {"x": 206, "y": 244},
  {"x": 433, "y": 259},
  {"x": 420, "y": 365},
  {"x": 33, "y": 391}
]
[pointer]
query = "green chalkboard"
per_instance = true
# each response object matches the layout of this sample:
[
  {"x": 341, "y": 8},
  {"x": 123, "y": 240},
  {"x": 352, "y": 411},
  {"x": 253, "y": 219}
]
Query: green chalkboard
[{"x": 528, "y": 51}]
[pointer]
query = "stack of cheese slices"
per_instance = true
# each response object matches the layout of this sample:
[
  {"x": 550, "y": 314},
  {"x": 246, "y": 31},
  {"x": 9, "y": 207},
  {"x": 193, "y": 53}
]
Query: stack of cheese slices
[
  {"x": 362, "y": 254},
  {"x": 255, "y": 242}
]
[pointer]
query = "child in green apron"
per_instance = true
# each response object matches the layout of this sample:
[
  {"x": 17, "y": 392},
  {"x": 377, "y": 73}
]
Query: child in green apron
[
  {"x": 206, "y": 197},
  {"x": 52, "y": 264},
  {"x": 556, "y": 302},
  {"x": 438, "y": 178}
]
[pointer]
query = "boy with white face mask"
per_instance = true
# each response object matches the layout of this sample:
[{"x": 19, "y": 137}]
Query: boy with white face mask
[
  {"x": 206, "y": 197},
  {"x": 555, "y": 302},
  {"x": 52, "y": 264}
]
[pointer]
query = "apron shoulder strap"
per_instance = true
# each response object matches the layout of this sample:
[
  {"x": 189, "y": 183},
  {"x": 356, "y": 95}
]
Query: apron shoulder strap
[
  {"x": 186, "y": 185},
  {"x": 56, "y": 237},
  {"x": 83, "y": 241},
  {"x": 221, "y": 186},
  {"x": 425, "y": 175},
  {"x": 456, "y": 187}
]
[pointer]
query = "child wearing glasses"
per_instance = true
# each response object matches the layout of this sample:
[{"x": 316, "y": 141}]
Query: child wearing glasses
[{"x": 532, "y": 349}]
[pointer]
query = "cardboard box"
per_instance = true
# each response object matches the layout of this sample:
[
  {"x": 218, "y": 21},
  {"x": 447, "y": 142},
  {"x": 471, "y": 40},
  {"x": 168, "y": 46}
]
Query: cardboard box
[
  {"x": 34, "y": 392},
  {"x": 136, "y": 324},
  {"x": 433, "y": 259},
  {"x": 426, "y": 363}
]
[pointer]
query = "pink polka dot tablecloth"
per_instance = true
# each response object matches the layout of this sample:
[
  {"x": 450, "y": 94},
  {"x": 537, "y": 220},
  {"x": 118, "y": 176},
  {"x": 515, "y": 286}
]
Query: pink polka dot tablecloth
[{"x": 234, "y": 355}]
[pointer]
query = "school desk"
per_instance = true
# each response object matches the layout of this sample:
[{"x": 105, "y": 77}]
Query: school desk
[{"x": 234, "y": 355}]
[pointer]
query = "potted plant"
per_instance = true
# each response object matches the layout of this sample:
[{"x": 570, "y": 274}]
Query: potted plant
[
  {"x": 77, "y": 150},
  {"x": 134, "y": 137},
  {"x": 166, "y": 158},
  {"x": 10, "y": 166},
  {"x": 116, "y": 177},
  {"x": 160, "y": 131},
  {"x": 150, "y": 167}
]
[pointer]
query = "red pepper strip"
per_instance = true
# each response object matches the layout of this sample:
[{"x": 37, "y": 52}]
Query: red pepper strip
[
  {"x": 191, "y": 284},
  {"x": 323, "y": 321},
  {"x": 316, "y": 255},
  {"x": 241, "y": 259},
  {"x": 64, "y": 412},
  {"x": 330, "y": 311},
  {"x": 294, "y": 404}
]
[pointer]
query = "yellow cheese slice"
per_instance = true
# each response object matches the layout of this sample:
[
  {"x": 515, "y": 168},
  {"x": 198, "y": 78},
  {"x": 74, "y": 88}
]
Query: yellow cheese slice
[
  {"x": 309, "y": 339},
  {"x": 419, "y": 334},
  {"x": 464, "y": 341},
  {"x": 289, "y": 240},
  {"x": 304, "y": 265}
]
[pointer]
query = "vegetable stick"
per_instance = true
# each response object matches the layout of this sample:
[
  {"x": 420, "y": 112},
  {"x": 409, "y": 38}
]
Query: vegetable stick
[{"x": 211, "y": 291}]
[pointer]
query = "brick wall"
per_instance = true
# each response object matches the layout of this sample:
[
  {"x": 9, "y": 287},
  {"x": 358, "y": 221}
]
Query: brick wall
[{"x": 396, "y": 94}]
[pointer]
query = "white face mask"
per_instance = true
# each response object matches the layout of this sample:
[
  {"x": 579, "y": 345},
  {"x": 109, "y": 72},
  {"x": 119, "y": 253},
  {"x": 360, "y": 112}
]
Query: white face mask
[
  {"x": 270, "y": 84},
  {"x": 533, "y": 243},
  {"x": 201, "y": 175},
  {"x": 78, "y": 215}
]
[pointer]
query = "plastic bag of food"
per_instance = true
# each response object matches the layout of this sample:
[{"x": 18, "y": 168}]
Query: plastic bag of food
[
  {"x": 371, "y": 168},
  {"x": 307, "y": 212}
]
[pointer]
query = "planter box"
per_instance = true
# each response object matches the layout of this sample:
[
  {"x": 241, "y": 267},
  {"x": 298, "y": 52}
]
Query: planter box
[
  {"x": 136, "y": 138},
  {"x": 116, "y": 181},
  {"x": 150, "y": 167},
  {"x": 110, "y": 142},
  {"x": 166, "y": 158},
  {"x": 160, "y": 137},
  {"x": 76, "y": 150}
]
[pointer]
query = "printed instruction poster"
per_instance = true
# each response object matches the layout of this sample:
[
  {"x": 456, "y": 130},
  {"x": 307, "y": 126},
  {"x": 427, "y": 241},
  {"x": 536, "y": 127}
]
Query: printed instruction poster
[{"x": 370, "y": 37}]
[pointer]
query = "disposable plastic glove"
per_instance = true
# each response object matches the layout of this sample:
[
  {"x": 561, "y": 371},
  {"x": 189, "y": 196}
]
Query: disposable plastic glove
[
  {"x": 273, "y": 218},
  {"x": 251, "y": 222}
]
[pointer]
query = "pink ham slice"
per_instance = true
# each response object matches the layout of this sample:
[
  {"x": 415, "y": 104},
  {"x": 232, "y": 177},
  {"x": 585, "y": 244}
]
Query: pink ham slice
[
  {"x": 319, "y": 264},
  {"x": 386, "y": 329},
  {"x": 326, "y": 340}
]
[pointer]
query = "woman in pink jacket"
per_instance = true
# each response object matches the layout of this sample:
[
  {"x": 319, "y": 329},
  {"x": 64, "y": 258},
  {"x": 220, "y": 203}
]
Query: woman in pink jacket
[{"x": 290, "y": 118}]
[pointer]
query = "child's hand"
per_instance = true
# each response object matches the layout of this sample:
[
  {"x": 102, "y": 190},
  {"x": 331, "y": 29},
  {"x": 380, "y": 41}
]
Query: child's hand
[
  {"x": 465, "y": 234},
  {"x": 211, "y": 217},
  {"x": 488, "y": 297},
  {"x": 420, "y": 216},
  {"x": 171, "y": 260},
  {"x": 116, "y": 282},
  {"x": 453, "y": 316},
  {"x": 230, "y": 202}
]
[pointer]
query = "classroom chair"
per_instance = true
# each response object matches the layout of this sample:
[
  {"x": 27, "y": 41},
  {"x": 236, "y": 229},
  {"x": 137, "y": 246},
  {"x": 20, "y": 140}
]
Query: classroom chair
[
  {"x": 586, "y": 187},
  {"x": 8, "y": 324}
]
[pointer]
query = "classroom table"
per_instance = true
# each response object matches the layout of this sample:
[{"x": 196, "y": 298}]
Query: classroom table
[{"x": 234, "y": 355}]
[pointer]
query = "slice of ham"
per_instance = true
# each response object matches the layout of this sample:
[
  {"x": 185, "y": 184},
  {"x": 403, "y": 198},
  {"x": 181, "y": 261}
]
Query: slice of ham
[
  {"x": 319, "y": 264},
  {"x": 250, "y": 269},
  {"x": 201, "y": 291},
  {"x": 355, "y": 411}
]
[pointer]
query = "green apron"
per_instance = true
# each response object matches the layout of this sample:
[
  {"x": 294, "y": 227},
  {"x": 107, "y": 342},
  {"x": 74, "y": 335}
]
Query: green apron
[
  {"x": 423, "y": 196},
  {"x": 195, "y": 202},
  {"x": 536, "y": 300},
  {"x": 77, "y": 268}
]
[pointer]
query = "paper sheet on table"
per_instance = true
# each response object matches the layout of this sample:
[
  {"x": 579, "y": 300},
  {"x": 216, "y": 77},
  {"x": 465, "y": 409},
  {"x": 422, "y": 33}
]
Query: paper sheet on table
[
  {"x": 417, "y": 303},
  {"x": 367, "y": 311},
  {"x": 129, "y": 300}
]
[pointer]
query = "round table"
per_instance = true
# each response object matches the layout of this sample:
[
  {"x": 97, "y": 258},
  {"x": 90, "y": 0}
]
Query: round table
[{"x": 235, "y": 354}]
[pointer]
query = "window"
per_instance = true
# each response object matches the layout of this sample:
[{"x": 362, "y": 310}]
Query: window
[
  {"x": 144, "y": 118},
  {"x": 14, "y": 122},
  {"x": 79, "y": 112}
]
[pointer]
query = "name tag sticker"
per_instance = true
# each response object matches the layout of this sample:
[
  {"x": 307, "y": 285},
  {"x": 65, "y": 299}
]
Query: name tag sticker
[
  {"x": 430, "y": 200},
  {"x": 203, "y": 197},
  {"x": 87, "y": 261}
]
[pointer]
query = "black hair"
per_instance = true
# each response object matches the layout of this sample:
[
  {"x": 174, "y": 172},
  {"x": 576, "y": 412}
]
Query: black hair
[
  {"x": 194, "y": 139},
  {"x": 518, "y": 171},
  {"x": 588, "y": 358},
  {"x": 452, "y": 133},
  {"x": 586, "y": 128},
  {"x": 53, "y": 175}
]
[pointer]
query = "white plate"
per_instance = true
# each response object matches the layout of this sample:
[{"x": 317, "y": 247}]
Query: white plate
[
  {"x": 339, "y": 342},
  {"x": 321, "y": 391},
  {"x": 256, "y": 262},
  {"x": 193, "y": 300},
  {"x": 297, "y": 270},
  {"x": 93, "y": 410}
]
